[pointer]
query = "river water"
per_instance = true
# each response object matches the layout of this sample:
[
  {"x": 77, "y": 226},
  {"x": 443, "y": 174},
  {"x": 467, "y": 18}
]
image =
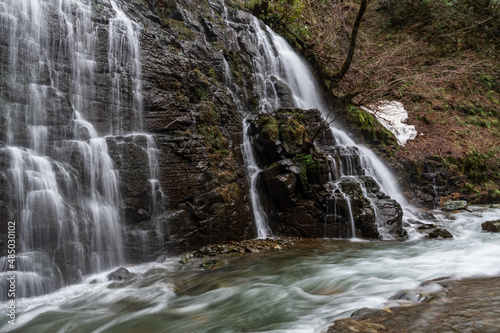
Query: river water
[{"x": 300, "y": 289}]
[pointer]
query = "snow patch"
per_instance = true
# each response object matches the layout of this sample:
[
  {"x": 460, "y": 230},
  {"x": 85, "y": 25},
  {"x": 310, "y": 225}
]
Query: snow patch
[{"x": 392, "y": 115}]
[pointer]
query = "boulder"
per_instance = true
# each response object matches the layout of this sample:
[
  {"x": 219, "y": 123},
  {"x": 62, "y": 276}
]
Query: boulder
[
  {"x": 493, "y": 226},
  {"x": 120, "y": 274},
  {"x": 451, "y": 205},
  {"x": 440, "y": 232},
  {"x": 284, "y": 93},
  {"x": 426, "y": 226},
  {"x": 161, "y": 259}
]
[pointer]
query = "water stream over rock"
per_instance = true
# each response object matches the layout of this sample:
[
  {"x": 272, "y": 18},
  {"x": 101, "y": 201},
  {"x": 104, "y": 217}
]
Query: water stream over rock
[{"x": 65, "y": 188}]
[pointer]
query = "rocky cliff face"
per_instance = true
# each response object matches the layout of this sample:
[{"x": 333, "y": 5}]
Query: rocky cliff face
[
  {"x": 188, "y": 53},
  {"x": 161, "y": 106},
  {"x": 312, "y": 188}
]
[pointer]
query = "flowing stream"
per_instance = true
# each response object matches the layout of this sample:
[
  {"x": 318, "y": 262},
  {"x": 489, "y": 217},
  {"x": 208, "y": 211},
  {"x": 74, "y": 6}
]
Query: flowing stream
[{"x": 297, "y": 290}]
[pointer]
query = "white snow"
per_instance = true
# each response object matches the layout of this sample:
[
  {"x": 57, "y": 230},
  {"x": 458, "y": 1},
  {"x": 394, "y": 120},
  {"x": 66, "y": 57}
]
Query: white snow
[{"x": 392, "y": 115}]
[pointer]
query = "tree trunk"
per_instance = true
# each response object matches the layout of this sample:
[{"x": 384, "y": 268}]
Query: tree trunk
[{"x": 337, "y": 77}]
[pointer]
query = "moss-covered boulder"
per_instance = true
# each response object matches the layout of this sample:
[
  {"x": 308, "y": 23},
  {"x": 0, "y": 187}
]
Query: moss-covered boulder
[{"x": 302, "y": 189}]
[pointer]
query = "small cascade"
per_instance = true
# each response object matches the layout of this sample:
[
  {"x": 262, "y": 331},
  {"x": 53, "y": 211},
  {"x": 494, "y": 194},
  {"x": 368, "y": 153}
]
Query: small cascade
[
  {"x": 145, "y": 143},
  {"x": 335, "y": 212},
  {"x": 253, "y": 169},
  {"x": 125, "y": 68}
]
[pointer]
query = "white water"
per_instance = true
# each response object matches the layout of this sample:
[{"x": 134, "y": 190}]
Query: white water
[
  {"x": 276, "y": 60},
  {"x": 253, "y": 169},
  {"x": 298, "y": 290},
  {"x": 63, "y": 181}
]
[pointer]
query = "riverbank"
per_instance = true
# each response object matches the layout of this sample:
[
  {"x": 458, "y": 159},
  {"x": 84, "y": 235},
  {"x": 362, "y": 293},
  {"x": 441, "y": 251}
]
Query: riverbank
[{"x": 468, "y": 305}]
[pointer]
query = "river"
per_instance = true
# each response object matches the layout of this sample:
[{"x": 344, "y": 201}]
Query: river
[{"x": 295, "y": 290}]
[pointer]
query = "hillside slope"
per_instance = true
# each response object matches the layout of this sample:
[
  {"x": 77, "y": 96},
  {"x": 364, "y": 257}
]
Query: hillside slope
[{"x": 439, "y": 58}]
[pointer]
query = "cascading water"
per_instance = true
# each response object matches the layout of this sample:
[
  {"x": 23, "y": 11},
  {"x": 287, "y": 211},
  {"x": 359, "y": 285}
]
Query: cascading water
[
  {"x": 253, "y": 169},
  {"x": 65, "y": 187},
  {"x": 277, "y": 62}
]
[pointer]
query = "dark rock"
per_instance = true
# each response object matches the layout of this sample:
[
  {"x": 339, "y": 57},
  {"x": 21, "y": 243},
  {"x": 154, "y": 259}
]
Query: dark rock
[
  {"x": 440, "y": 233},
  {"x": 213, "y": 264},
  {"x": 427, "y": 226},
  {"x": 367, "y": 312},
  {"x": 349, "y": 325},
  {"x": 119, "y": 275},
  {"x": 251, "y": 249},
  {"x": 284, "y": 93},
  {"x": 296, "y": 191},
  {"x": 493, "y": 226}
]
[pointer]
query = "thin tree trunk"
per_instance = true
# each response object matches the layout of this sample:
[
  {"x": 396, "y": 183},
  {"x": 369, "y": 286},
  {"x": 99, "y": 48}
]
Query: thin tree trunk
[{"x": 352, "y": 45}]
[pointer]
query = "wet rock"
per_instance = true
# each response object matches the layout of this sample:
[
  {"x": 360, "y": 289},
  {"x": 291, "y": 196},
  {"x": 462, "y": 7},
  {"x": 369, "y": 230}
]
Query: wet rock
[
  {"x": 427, "y": 226},
  {"x": 451, "y": 205},
  {"x": 298, "y": 192},
  {"x": 493, "y": 226},
  {"x": 284, "y": 93},
  {"x": 439, "y": 233},
  {"x": 120, "y": 274},
  {"x": 353, "y": 326},
  {"x": 229, "y": 249},
  {"x": 161, "y": 259},
  {"x": 458, "y": 307},
  {"x": 424, "y": 292},
  {"x": 495, "y": 206},
  {"x": 185, "y": 258},
  {"x": 213, "y": 264},
  {"x": 251, "y": 249}
]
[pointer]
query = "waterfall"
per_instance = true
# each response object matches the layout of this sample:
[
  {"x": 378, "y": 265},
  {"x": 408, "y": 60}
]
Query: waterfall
[
  {"x": 276, "y": 61},
  {"x": 64, "y": 185},
  {"x": 125, "y": 68}
]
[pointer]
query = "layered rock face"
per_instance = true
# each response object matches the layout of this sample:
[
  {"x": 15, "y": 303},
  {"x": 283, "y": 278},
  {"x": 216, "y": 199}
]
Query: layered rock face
[{"x": 188, "y": 54}]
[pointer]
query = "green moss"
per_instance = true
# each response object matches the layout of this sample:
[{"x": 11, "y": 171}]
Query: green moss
[
  {"x": 211, "y": 74},
  {"x": 201, "y": 94},
  {"x": 216, "y": 143},
  {"x": 369, "y": 125},
  {"x": 183, "y": 32},
  {"x": 269, "y": 126},
  {"x": 307, "y": 164}
]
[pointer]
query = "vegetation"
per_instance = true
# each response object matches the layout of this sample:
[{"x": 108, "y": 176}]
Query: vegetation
[
  {"x": 369, "y": 126},
  {"x": 438, "y": 57}
]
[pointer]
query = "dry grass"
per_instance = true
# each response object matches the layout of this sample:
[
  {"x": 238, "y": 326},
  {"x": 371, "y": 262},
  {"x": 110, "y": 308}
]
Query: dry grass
[{"x": 443, "y": 68}]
